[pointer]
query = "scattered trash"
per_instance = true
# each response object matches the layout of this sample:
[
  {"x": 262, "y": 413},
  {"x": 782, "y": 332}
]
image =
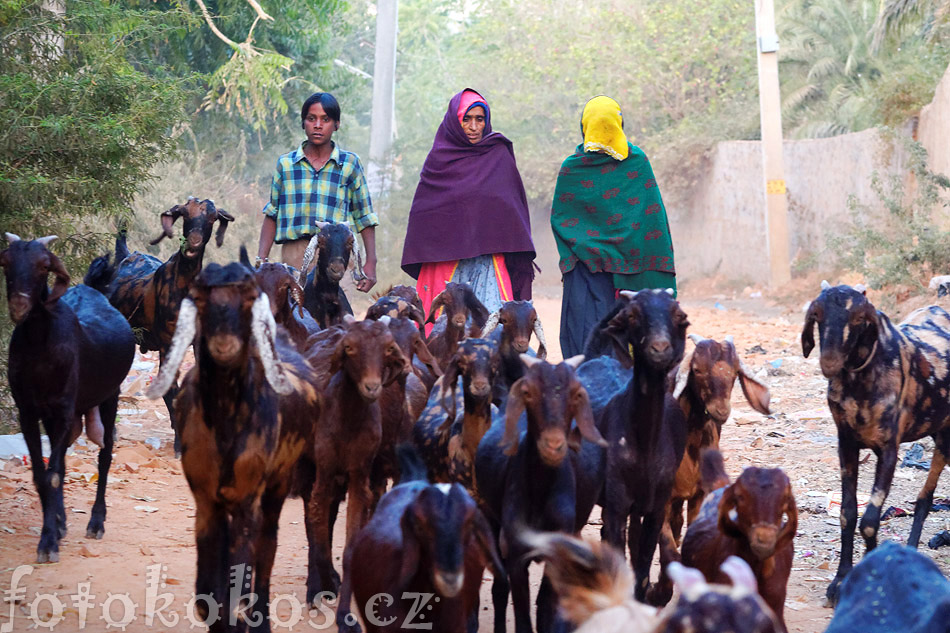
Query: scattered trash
[
  {"x": 893, "y": 512},
  {"x": 939, "y": 540},
  {"x": 834, "y": 503},
  {"x": 148, "y": 509},
  {"x": 719, "y": 306},
  {"x": 914, "y": 458},
  {"x": 757, "y": 443},
  {"x": 145, "y": 549},
  {"x": 143, "y": 365},
  {"x": 8, "y": 530},
  {"x": 756, "y": 349},
  {"x": 940, "y": 504},
  {"x": 145, "y": 499},
  {"x": 153, "y": 442},
  {"x": 756, "y": 295},
  {"x": 776, "y": 363},
  {"x": 808, "y": 553},
  {"x": 775, "y": 434}
]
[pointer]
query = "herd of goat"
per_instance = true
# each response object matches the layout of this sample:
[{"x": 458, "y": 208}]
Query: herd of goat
[{"x": 497, "y": 457}]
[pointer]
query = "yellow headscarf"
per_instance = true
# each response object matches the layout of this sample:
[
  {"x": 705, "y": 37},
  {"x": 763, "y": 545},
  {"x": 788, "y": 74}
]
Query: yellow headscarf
[{"x": 602, "y": 124}]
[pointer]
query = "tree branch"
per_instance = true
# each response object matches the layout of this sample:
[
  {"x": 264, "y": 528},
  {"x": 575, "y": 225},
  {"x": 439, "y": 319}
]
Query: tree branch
[
  {"x": 260, "y": 12},
  {"x": 224, "y": 38}
]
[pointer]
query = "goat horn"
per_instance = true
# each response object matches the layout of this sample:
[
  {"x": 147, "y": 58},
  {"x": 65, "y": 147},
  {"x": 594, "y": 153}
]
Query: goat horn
[
  {"x": 45, "y": 241},
  {"x": 730, "y": 340},
  {"x": 690, "y": 582},
  {"x": 542, "y": 344},
  {"x": 385, "y": 319},
  {"x": 696, "y": 338},
  {"x": 739, "y": 572},
  {"x": 321, "y": 224},
  {"x": 307, "y": 260},
  {"x": 629, "y": 294},
  {"x": 824, "y": 284},
  {"x": 670, "y": 291},
  {"x": 860, "y": 288},
  {"x": 263, "y": 329},
  {"x": 12, "y": 237},
  {"x": 529, "y": 361},
  {"x": 184, "y": 335},
  {"x": 574, "y": 361},
  {"x": 491, "y": 323}
]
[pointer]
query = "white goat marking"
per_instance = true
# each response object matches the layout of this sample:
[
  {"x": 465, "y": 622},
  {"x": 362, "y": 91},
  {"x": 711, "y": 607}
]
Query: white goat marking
[
  {"x": 184, "y": 335},
  {"x": 263, "y": 329}
]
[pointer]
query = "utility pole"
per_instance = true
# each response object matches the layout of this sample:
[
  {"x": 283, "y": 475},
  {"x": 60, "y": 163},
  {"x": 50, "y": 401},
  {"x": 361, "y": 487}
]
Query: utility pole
[
  {"x": 770, "y": 111},
  {"x": 384, "y": 97}
]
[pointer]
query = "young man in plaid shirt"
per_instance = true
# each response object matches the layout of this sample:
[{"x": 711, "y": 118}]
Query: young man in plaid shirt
[{"x": 318, "y": 182}]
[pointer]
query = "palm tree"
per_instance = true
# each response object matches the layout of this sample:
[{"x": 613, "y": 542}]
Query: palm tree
[{"x": 896, "y": 15}]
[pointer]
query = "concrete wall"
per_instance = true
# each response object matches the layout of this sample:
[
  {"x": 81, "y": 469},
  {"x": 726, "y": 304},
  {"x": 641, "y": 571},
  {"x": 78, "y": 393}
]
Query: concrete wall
[{"x": 721, "y": 230}]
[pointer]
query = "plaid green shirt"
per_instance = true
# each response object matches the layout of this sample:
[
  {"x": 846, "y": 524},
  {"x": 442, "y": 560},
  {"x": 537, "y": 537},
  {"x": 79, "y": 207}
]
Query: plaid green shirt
[{"x": 301, "y": 196}]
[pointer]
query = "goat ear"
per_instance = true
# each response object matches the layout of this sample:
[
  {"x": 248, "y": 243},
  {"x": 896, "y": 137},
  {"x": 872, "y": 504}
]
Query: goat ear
[
  {"x": 477, "y": 308},
  {"x": 168, "y": 220},
  {"x": 682, "y": 375},
  {"x": 421, "y": 350},
  {"x": 417, "y": 315},
  {"x": 755, "y": 392},
  {"x": 584, "y": 417},
  {"x": 727, "y": 505},
  {"x": 616, "y": 330},
  {"x": 308, "y": 256},
  {"x": 486, "y": 540},
  {"x": 336, "y": 359},
  {"x": 542, "y": 344},
  {"x": 410, "y": 550},
  {"x": 296, "y": 292},
  {"x": 791, "y": 525},
  {"x": 61, "y": 283},
  {"x": 245, "y": 259},
  {"x": 808, "y": 330},
  {"x": 513, "y": 410},
  {"x": 436, "y": 305},
  {"x": 223, "y": 218},
  {"x": 397, "y": 366}
]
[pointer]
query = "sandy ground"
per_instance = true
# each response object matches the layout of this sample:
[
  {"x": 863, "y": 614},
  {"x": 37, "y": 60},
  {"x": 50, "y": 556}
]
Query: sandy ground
[{"x": 147, "y": 557}]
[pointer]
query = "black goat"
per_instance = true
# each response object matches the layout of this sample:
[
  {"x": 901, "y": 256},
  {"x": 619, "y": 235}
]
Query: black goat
[
  {"x": 462, "y": 310},
  {"x": 149, "y": 292},
  {"x": 546, "y": 479},
  {"x": 323, "y": 297},
  {"x": 69, "y": 353},
  {"x": 518, "y": 321},
  {"x": 644, "y": 426},
  {"x": 247, "y": 412},
  {"x": 886, "y": 385}
]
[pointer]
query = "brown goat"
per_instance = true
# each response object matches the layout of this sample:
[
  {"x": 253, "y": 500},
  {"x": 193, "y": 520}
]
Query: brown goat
[
  {"x": 595, "y": 588},
  {"x": 286, "y": 302},
  {"x": 247, "y": 411},
  {"x": 755, "y": 519},
  {"x": 702, "y": 386},
  {"x": 459, "y": 303},
  {"x": 448, "y": 443},
  {"x": 147, "y": 291},
  {"x": 424, "y": 540},
  {"x": 357, "y": 363}
]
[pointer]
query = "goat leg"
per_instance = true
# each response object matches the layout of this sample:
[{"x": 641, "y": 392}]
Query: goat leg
[
  {"x": 359, "y": 504},
  {"x": 883, "y": 476},
  {"x": 520, "y": 592},
  {"x": 548, "y": 618},
  {"x": 245, "y": 523},
  {"x": 926, "y": 496},
  {"x": 642, "y": 541},
  {"x": 48, "y": 548},
  {"x": 848, "y": 458},
  {"x": 264, "y": 551},
  {"x": 320, "y": 566},
  {"x": 169, "y": 398},
  {"x": 661, "y": 593},
  {"x": 499, "y": 597},
  {"x": 97, "y": 519},
  {"x": 212, "y": 545}
]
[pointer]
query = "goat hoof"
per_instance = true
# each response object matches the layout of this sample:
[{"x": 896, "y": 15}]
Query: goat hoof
[
  {"x": 659, "y": 594},
  {"x": 95, "y": 533},
  {"x": 47, "y": 556}
]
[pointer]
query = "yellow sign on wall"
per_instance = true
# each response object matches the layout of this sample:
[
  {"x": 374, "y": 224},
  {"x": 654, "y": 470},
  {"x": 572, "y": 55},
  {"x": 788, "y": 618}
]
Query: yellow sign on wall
[{"x": 775, "y": 186}]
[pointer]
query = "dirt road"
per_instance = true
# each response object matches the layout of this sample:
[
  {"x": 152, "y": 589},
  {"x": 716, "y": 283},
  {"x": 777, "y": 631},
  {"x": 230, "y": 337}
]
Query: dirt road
[{"x": 147, "y": 557}]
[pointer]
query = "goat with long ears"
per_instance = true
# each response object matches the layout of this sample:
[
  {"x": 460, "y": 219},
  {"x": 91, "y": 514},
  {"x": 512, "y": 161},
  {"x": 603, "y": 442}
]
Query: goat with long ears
[{"x": 887, "y": 384}]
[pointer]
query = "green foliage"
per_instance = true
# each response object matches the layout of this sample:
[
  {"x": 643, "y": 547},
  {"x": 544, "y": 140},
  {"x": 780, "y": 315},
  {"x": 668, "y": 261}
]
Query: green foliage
[{"x": 903, "y": 240}]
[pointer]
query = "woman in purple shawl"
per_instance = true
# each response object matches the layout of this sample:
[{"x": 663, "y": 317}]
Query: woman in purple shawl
[{"x": 469, "y": 218}]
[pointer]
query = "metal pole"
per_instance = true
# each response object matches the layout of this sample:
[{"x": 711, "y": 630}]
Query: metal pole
[
  {"x": 770, "y": 110},
  {"x": 384, "y": 97}
]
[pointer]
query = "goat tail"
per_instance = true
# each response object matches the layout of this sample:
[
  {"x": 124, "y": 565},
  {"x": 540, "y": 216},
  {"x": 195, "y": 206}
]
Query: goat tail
[
  {"x": 184, "y": 335},
  {"x": 99, "y": 275},
  {"x": 263, "y": 331},
  {"x": 411, "y": 466},
  {"x": 590, "y": 578},
  {"x": 712, "y": 471}
]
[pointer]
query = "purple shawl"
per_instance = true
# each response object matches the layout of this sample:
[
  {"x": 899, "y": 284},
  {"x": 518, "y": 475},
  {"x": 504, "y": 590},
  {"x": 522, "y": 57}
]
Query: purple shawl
[{"x": 470, "y": 201}]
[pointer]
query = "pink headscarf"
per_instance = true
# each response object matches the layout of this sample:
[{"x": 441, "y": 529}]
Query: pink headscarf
[{"x": 470, "y": 99}]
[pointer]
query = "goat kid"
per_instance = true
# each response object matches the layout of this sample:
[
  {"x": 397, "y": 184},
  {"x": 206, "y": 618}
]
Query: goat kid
[
  {"x": 248, "y": 409},
  {"x": 286, "y": 301},
  {"x": 422, "y": 540},
  {"x": 323, "y": 297},
  {"x": 755, "y": 519},
  {"x": 887, "y": 384},
  {"x": 149, "y": 292},
  {"x": 357, "y": 361},
  {"x": 452, "y": 310},
  {"x": 533, "y": 471},
  {"x": 69, "y": 353}
]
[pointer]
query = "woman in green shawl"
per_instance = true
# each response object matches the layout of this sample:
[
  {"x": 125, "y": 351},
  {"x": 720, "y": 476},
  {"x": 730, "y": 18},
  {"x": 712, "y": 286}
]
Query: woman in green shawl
[{"x": 609, "y": 217}]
